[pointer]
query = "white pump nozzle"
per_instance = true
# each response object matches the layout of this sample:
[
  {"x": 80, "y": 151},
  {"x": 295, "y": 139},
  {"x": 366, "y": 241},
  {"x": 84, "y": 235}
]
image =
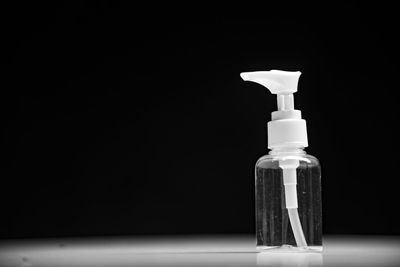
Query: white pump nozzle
[
  {"x": 286, "y": 129},
  {"x": 281, "y": 83},
  {"x": 277, "y": 81}
]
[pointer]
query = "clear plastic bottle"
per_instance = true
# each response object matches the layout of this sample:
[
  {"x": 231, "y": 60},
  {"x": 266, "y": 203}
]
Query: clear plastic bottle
[
  {"x": 273, "y": 225},
  {"x": 288, "y": 181}
]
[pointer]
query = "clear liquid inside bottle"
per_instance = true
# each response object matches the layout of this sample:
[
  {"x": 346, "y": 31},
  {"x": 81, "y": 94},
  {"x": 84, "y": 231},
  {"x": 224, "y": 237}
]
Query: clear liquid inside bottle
[{"x": 273, "y": 228}]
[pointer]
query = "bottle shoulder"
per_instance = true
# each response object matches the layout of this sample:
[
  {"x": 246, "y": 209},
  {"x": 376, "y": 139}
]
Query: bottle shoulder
[{"x": 275, "y": 158}]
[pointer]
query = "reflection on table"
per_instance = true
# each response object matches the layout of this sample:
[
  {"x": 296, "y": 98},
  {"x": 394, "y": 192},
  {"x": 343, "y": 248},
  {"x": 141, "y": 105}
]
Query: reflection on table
[{"x": 195, "y": 250}]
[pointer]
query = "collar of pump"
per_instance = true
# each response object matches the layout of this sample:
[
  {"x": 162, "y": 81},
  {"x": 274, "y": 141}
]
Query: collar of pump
[{"x": 287, "y": 132}]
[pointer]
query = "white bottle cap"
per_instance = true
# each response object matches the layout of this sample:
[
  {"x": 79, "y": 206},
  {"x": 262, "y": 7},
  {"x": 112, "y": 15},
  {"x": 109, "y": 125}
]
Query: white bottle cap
[{"x": 287, "y": 128}]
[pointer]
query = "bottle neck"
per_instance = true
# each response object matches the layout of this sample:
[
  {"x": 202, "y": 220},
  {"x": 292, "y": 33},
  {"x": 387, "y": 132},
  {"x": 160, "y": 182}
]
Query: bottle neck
[{"x": 287, "y": 151}]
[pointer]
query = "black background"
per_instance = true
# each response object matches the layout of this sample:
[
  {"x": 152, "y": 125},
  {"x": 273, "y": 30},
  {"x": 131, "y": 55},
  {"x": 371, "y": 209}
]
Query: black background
[{"x": 128, "y": 119}]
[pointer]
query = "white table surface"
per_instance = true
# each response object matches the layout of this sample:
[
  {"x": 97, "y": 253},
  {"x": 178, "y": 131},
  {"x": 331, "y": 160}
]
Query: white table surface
[{"x": 220, "y": 250}]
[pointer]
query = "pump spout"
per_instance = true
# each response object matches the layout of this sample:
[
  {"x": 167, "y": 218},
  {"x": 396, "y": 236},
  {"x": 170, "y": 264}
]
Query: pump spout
[{"x": 277, "y": 81}]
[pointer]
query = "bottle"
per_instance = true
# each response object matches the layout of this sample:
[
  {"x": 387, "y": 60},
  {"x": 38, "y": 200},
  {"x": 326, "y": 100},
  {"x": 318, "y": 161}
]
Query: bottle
[{"x": 287, "y": 180}]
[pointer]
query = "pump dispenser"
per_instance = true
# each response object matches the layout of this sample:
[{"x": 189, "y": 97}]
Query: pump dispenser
[
  {"x": 286, "y": 129},
  {"x": 288, "y": 183}
]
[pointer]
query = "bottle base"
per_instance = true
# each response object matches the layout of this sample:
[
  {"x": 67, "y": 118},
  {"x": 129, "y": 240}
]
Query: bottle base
[{"x": 289, "y": 248}]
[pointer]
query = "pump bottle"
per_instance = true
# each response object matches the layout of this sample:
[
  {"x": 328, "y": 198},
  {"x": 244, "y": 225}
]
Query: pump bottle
[{"x": 287, "y": 179}]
